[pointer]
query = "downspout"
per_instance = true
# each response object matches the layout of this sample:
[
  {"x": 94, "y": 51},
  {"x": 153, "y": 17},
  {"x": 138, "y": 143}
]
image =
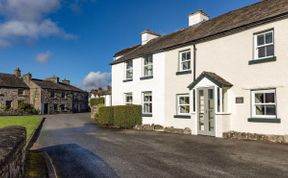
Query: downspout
[{"x": 194, "y": 61}]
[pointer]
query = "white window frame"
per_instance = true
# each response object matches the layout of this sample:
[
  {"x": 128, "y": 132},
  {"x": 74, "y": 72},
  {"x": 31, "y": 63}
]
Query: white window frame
[
  {"x": 179, "y": 104},
  {"x": 181, "y": 61},
  {"x": 148, "y": 65},
  {"x": 147, "y": 93},
  {"x": 256, "y": 47},
  {"x": 254, "y": 115},
  {"x": 126, "y": 95},
  {"x": 129, "y": 70}
]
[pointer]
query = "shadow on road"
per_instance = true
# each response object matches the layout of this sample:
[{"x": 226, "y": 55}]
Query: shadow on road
[{"x": 71, "y": 160}]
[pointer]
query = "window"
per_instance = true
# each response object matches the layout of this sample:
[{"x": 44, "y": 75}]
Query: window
[
  {"x": 129, "y": 70},
  {"x": 183, "y": 104},
  {"x": 147, "y": 103},
  {"x": 128, "y": 98},
  {"x": 264, "y": 45},
  {"x": 264, "y": 104},
  {"x": 148, "y": 66},
  {"x": 8, "y": 104},
  {"x": 63, "y": 94},
  {"x": 20, "y": 92},
  {"x": 52, "y": 94},
  {"x": 185, "y": 61},
  {"x": 62, "y": 107}
]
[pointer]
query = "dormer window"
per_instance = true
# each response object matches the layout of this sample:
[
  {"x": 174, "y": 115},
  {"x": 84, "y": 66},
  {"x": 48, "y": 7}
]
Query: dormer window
[
  {"x": 185, "y": 61},
  {"x": 148, "y": 66},
  {"x": 264, "y": 45},
  {"x": 129, "y": 70}
]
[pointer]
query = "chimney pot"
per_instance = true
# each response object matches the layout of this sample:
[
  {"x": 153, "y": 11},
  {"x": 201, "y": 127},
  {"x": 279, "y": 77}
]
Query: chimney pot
[{"x": 17, "y": 72}]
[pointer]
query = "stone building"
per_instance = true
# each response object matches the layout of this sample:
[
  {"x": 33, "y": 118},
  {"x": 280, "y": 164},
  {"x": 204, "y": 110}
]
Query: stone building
[{"x": 49, "y": 96}]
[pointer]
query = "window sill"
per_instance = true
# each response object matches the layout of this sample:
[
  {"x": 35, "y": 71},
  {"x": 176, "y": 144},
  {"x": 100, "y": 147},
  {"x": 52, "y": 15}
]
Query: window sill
[
  {"x": 184, "y": 72},
  {"x": 182, "y": 117},
  {"x": 264, "y": 120},
  {"x": 147, "y": 115},
  {"x": 128, "y": 80},
  {"x": 259, "y": 61},
  {"x": 146, "y": 78}
]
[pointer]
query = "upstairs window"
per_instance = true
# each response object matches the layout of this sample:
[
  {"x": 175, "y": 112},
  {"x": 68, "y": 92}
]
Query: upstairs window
[
  {"x": 147, "y": 102},
  {"x": 264, "y": 104},
  {"x": 20, "y": 92},
  {"x": 185, "y": 61},
  {"x": 183, "y": 104},
  {"x": 129, "y": 70},
  {"x": 148, "y": 66},
  {"x": 8, "y": 104},
  {"x": 63, "y": 95},
  {"x": 264, "y": 45},
  {"x": 128, "y": 98},
  {"x": 52, "y": 94}
]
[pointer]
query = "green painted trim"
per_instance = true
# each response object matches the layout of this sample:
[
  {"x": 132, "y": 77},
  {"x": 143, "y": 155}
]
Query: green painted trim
[
  {"x": 128, "y": 80},
  {"x": 147, "y": 115},
  {"x": 184, "y": 72},
  {"x": 182, "y": 117},
  {"x": 264, "y": 120},
  {"x": 259, "y": 61},
  {"x": 146, "y": 78}
]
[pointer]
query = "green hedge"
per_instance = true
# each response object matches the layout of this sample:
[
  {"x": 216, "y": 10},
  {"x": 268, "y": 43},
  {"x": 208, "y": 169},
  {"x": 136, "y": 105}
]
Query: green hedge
[
  {"x": 120, "y": 116},
  {"x": 104, "y": 116},
  {"x": 97, "y": 101}
]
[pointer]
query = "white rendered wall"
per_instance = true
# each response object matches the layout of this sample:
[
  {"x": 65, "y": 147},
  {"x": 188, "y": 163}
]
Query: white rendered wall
[{"x": 137, "y": 86}]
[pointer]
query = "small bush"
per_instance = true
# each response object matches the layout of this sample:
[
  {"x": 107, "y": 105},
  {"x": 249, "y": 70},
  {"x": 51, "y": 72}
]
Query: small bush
[
  {"x": 97, "y": 101},
  {"x": 28, "y": 108},
  {"x": 119, "y": 116},
  {"x": 104, "y": 116}
]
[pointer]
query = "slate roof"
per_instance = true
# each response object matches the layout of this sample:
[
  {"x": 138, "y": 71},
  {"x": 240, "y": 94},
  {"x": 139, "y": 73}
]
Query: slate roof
[
  {"x": 60, "y": 86},
  {"x": 219, "y": 81},
  {"x": 11, "y": 81},
  {"x": 237, "y": 20},
  {"x": 126, "y": 50}
]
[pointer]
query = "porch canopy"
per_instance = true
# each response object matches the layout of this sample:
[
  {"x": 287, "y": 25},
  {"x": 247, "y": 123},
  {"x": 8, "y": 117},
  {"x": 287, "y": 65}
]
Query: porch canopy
[{"x": 216, "y": 79}]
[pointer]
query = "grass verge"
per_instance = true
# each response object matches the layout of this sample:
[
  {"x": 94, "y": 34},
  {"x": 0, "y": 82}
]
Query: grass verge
[{"x": 29, "y": 122}]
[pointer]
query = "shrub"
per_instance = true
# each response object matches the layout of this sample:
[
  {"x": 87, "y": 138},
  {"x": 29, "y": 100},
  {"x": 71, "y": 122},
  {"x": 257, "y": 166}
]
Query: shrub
[
  {"x": 119, "y": 116},
  {"x": 28, "y": 108},
  {"x": 104, "y": 116},
  {"x": 97, "y": 101},
  {"x": 127, "y": 116}
]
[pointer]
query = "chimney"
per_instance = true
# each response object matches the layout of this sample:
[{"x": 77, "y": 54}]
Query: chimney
[
  {"x": 147, "y": 35},
  {"x": 53, "y": 79},
  {"x": 197, "y": 17},
  {"x": 27, "y": 77},
  {"x": 67, "y": 82},
  {"x": 17, "y": 72}
]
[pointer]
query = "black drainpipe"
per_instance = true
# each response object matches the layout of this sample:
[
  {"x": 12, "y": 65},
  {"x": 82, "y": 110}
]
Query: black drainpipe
[{"x": 194, "y": 61}]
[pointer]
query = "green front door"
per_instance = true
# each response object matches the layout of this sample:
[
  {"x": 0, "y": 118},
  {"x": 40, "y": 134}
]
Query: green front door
[{"x": 206, "y": 111}]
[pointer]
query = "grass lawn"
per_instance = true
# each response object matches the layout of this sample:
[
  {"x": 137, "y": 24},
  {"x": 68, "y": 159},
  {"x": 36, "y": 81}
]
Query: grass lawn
[{"x": 29, "y": 122}]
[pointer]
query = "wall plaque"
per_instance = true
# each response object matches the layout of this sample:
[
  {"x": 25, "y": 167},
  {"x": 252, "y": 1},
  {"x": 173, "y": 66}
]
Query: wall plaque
[{"x": 239, "y": 100}]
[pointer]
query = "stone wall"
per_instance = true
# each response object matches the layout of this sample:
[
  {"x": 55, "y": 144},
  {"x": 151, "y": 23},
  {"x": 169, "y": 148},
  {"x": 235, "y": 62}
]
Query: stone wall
[
  {"x": 58, "y": 100},
  {"x": 12, "y": 152},
  {"x": 11, "y": 94},
  {"x": 283, "y": 139}
]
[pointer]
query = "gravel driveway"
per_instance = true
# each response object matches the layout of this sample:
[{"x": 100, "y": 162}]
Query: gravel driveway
[{"x": 79, "y": 148}]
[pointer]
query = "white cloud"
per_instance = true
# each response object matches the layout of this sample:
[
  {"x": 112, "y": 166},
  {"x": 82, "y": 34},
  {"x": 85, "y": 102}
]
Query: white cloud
[
  {"x": 43, "y": 57},
  {"x": 95, "y": 80},
  {"x": 26, "y": 20}
]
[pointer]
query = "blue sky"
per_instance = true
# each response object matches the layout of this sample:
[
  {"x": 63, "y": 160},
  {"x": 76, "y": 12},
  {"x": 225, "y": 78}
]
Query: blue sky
[{"x": 76, "y": 39}]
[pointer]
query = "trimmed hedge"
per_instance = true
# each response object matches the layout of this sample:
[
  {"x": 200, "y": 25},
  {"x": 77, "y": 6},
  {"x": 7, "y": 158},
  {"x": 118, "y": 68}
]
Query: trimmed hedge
[
  {"x": 120, "y": 116},
  {"x": 104, "y": 116},
  {"x": 97, "y": 101}
]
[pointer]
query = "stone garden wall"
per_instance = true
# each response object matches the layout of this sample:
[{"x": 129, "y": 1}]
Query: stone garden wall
[
  {"x": 12, "y": 152},
  {"x": 283, "y": 139}
]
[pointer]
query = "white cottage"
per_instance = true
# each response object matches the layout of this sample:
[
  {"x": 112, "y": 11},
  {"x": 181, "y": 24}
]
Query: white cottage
[{"x": 225, "y": 74}]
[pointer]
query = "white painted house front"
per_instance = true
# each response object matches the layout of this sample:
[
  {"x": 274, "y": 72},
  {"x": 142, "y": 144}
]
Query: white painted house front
[{"x": 224, "y": 74}]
